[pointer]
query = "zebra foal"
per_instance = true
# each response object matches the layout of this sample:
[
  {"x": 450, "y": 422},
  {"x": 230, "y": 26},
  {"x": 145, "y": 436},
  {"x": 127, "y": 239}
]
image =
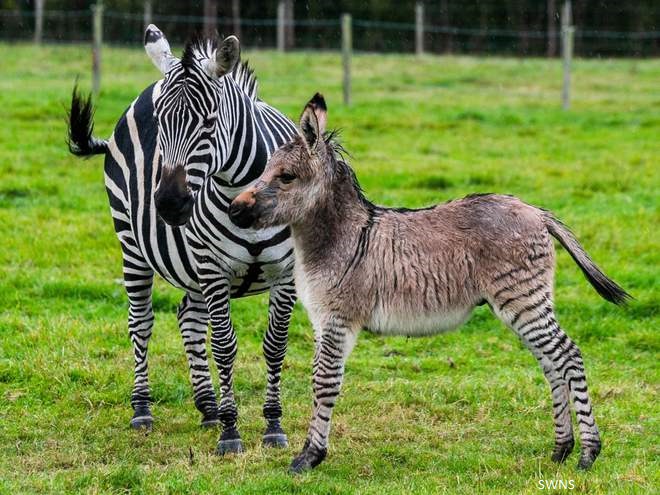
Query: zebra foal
[{"x": 417, "y": 272}]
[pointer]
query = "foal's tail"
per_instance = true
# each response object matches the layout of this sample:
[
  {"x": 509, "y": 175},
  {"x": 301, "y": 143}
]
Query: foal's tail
[
  {"x": 81, "y": 126},
  {"x": 607, "y": 288}
]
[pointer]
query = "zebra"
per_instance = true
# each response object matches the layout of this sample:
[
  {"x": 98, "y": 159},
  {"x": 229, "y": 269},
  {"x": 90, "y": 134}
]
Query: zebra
[
  {"x": 180, "y": 153},
  {"x": 416, "y": 273}
]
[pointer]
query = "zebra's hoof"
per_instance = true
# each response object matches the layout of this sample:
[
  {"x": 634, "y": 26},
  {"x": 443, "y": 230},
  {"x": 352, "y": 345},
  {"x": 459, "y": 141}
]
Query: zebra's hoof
[
  {"x": 274, "y": 435},
  {"x": 142, "y": 423},
  {"x": 229, "y": 443},
  {"x": 308, "y": 459},
  {"x": 277, "y": 440},
  {"x": 231, "y": 446},
  {"x": 562, "y": 451}
]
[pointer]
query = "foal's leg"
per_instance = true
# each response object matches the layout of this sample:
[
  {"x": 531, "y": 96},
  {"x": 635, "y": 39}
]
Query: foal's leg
[
  {"x": 333, "y": 346},
  {"x": 138, "y": 281},
  {"x": 282, "y": 299},
  {"x": 529, "y": 312},
  {"x": 193, "y": 323}
]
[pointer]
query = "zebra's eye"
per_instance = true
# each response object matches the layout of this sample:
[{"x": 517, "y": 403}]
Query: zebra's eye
[
  {"x": 287, "y": 178},
  {"x": 209, "y": 121}
]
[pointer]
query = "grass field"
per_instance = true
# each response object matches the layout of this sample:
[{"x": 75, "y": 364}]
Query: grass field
[{"x": 466, "y": 412}]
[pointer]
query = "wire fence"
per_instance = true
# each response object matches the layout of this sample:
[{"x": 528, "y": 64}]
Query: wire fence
[{"x": 124, "y": 28}]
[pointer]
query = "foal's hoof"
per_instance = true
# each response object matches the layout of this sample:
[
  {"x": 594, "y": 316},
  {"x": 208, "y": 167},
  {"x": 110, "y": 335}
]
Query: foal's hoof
[
  {"x": 229, "y": 443},
  {"x": 308, "y": 459},
  {"x": 142, "y": 422},
  {"x": 588, "y": 456},
  {"x": 274, "y": 436},
  {"x": 562, "y": 451}
]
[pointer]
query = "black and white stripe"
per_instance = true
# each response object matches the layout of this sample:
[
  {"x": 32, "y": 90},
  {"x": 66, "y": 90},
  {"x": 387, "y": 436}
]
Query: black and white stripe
[{"x": 223, "y": 135}]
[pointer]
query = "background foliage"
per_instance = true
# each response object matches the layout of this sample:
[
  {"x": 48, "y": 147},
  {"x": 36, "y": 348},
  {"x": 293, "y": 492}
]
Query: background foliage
[{"x": 517, "y": 27}]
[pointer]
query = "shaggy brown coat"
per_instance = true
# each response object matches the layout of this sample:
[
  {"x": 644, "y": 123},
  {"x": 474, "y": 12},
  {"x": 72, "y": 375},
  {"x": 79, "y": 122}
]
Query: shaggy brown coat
[{"x": 417, "y": 272}]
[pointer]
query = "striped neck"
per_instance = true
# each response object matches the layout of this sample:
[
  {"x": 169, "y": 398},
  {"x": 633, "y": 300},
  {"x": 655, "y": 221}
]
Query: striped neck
[{"x": 242, "y": 151}]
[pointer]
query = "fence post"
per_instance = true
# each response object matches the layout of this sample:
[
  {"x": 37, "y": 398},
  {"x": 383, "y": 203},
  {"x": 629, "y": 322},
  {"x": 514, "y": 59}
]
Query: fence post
[
  {"x": 38, "y": 21},
  {"x": 210, "y": 17},
  {"x": 289, "y": 31},
  {"x": 236, "y": 17},
  {"x": 281, "y": 11},
  {"x": 97, "y": 13},
  {"x": 567, "y": 32},
  {"x": 551, "y": 49},
  {"x": 147, "y": 13},
  {"x": 346, "y": 51},
  {"x": 419, "y": 28}
]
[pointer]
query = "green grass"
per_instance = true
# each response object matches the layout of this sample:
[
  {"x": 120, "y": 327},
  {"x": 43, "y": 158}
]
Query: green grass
[{"x": 421, "y": 131}]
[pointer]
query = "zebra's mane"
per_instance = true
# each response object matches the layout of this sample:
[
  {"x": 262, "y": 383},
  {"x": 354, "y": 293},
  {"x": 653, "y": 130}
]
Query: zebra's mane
[{"x": 200, "y": 47}]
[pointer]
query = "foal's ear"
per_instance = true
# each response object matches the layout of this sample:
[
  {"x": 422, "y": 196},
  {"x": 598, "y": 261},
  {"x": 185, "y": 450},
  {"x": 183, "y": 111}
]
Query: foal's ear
[
  {"x": 227, "y": 56},
  {"x": 313, "y": 120},
  {"x": 158, "y": 49}
]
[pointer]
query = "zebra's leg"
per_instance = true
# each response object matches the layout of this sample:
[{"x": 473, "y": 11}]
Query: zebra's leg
[
  {"x": 193, "y": 323},
  {"x": 333, "y": 347},
  {"x": 224, "y": 347},
  {"x": 138, "y": 280},
  {"x": 282, "y": 299},
  {"x": 531, "y": 315}
]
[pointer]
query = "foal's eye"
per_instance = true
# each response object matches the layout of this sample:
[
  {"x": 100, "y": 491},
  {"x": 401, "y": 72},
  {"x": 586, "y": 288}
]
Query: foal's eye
[{"x": 287, "y": 178}]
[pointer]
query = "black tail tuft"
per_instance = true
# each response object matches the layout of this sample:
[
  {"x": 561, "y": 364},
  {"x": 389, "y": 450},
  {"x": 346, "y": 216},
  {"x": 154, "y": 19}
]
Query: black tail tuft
[
  {"x": 81, "y": 126},
  {"x": 606, "y": 287}
]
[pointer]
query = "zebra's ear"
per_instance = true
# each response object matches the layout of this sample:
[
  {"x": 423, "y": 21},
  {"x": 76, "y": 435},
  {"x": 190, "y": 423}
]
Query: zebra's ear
[
  {"x": 313, "y": 120},
  {"x": 227, "y": 56},
  {"x": 158, "y": 49}
]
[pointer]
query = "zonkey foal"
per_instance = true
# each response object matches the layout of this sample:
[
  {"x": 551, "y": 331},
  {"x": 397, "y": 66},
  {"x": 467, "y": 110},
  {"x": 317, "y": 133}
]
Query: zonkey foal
[{"x": 416, "y": 272}]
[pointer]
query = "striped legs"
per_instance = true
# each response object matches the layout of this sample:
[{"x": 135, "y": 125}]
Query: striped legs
[
  {"x": 561, "y": 411},
  {"x": 224, "y": 346},
  {"x": 531, "y": 315},
  {"x": 138, "y": 280},
  {"x": 333, "y": 345},
  {"x": 193, "y": 324},
  {"x": 282, "y": 299}
]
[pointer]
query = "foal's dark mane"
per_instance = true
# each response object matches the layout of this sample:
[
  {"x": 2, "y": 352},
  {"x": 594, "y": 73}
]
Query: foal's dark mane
[{"x": 342, "y": 168}]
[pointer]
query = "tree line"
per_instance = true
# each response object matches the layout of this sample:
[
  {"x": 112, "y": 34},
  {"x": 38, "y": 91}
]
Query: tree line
[{"x": 523, "y": 27}]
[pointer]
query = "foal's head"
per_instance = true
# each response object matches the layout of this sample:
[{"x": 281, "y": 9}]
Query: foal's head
[{"x": 297, "y": 179}]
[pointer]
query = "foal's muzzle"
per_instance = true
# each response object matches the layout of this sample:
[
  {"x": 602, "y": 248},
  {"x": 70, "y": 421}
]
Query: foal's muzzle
[
  {"x": 242, "y": 209},
  {"x": 174, "y": 201}
]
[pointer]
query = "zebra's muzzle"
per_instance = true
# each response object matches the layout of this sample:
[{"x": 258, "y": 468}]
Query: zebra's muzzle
[
  {"x": 174, "y": 201},
  {"x": 242, "y": 214}
]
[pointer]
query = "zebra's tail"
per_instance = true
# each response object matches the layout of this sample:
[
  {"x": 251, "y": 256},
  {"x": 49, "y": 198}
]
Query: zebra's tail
[
  {"x": 81, "y": 126},
  {"x": 606, "y": 287}
]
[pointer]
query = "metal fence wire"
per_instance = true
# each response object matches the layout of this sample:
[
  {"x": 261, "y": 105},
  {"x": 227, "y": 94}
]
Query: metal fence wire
[{"x": 122, "y": 28}]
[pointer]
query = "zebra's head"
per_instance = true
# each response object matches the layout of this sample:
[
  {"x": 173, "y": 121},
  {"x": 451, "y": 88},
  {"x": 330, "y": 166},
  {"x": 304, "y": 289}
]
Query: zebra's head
[{"x": 186, "y": 113}]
